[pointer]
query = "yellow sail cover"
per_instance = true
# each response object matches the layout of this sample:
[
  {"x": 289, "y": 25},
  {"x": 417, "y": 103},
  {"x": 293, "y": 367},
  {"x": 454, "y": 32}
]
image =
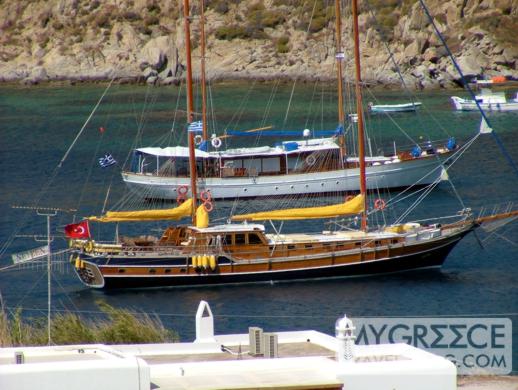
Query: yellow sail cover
[
  {"x": 202, "y": 217},
  {"x": 354, "y": 206},
  {"x": 184, "y": 210}
]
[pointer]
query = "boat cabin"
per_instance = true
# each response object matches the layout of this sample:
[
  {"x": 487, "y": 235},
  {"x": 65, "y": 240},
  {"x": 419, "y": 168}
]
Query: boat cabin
[{"x": 283, "y": 158}]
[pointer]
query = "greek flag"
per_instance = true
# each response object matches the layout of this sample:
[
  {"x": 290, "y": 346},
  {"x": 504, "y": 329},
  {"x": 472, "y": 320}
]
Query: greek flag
[
  {"x": 195, "y": 127},
  {"x": 107, "y": 160}
]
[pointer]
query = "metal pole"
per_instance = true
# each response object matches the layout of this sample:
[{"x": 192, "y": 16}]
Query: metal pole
[
  {"x": 49, "y": 292},
  {"x": 359, "y": 110}
]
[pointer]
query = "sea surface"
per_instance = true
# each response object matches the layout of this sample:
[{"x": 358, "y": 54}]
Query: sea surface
[{"x": 39, "y": 124}]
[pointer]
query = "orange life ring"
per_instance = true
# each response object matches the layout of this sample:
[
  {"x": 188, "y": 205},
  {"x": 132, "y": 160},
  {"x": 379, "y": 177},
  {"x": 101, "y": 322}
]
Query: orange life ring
[
  {"x": 182, "y": 190},
  {"x": 208, "y": 206},
  {"x": 206, "y": 196},
  {"x": 379, "y": 204}
]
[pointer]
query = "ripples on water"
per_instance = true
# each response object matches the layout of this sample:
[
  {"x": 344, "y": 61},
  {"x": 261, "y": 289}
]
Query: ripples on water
[{"x": 38, "y": 125}]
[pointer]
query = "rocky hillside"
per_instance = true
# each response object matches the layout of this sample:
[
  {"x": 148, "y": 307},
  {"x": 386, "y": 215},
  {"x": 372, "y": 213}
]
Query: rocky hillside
[{"x": 143, "y": 40}]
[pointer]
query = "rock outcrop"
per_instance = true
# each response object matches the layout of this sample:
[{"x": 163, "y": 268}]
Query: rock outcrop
[{"x": 143, "y": 40}]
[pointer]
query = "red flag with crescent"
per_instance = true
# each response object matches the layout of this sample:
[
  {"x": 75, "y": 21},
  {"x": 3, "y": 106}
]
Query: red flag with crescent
[{"x": 78, "y": 230}]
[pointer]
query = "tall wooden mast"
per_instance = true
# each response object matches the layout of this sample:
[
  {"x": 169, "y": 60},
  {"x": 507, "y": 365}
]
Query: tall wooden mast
[
  {"x": 202, "y": 70},
  {"x": 190, "y": 107},
  {"x": 359, "y": 110},
  {"x": 339, "y": 60}
]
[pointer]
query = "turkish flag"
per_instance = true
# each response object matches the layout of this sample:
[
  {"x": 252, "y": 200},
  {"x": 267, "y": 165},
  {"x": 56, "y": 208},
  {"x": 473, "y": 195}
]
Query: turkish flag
[{"x": 78, "y": 230}]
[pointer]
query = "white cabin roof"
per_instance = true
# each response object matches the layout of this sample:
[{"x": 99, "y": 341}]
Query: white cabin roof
[
  {"x": 172, "y": 151},
  {"x": 230, "y": 228},
  {"x": 310, "y": 145}
]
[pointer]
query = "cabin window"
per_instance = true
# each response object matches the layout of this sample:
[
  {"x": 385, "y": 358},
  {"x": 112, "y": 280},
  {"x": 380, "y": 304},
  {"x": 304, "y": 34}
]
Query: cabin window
[
  {"x": 326, "y": 244},
  {"x": 122, "y": 270},
  {"x": 308, "y": 246},
  {"x": 271, "y": 164},
  {"x": 394, "y": 241},
  {"x": 291, "y": 246},
  {"x": 358, "y": 243},
  {"x": 254, "y": 239},
  {"x": 152, "y": 271},
  {"x": 377, "y": 243},
  {"x": 227, "y": 240},
  {"x": 240, "y": 239},
  {"x": 167, "y": 271}
]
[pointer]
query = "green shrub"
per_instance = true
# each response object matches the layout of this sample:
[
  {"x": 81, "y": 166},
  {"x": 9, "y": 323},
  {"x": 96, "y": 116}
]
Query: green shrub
[
  {"x": 126, "y": 327},
  {"x": 120, "y": 326},
  {"x": 153, "y": 8},
  {"x": 131, "y": 16},
  {"x": 231, "y": 32},
  {"x": 281, "y": 45},
  {"x": 151, "y": 20},
  {"x": 315, "y": 15}
]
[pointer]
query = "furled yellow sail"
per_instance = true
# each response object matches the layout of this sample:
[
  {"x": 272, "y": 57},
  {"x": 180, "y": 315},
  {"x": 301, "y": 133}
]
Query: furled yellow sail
[
  {"x": 354, "y": 206},
  {"x": 202, "y": 217},
  {"x": 184, "y": 210}
]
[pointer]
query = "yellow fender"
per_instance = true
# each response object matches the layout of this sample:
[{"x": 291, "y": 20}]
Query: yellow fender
[
  {"x": 212, "y": 262},
  {"x": 205, "y": 261},
  {"x": 89, "y": 246},
  {"x": 77, "y": 262},
  {"x": 194, "y": 261}
]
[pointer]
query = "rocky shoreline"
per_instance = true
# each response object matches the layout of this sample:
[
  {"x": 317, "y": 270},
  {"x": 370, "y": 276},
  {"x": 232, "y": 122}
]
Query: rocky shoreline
[{"x": 142, "y": 41}]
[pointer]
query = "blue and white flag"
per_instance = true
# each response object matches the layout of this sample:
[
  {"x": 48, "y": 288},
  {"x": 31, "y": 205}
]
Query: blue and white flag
[
  {"x": 107, "y": 160},
  {"x": 195, "y": 126}
]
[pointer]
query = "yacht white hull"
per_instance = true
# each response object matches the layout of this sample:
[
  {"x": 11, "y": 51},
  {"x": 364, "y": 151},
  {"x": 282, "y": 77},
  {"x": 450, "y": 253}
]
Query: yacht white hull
[
  {"x": 469, "y": 105},
  {"x": 420, "y": 171},
  {"x": 404, "y": 107}
]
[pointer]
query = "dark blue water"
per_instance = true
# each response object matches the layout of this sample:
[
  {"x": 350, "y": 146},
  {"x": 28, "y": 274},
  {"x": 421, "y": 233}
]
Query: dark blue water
[{"x": 38, "y": 124}]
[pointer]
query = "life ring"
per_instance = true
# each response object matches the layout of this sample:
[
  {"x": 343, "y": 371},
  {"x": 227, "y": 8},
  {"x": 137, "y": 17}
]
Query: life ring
[
  {"x": 182, "y": 190},
  {"x": 216, "y": 142},
  {"x": 208, "y": 206},
  {"x": 206, "y": 196},
  {"x": 310, "y": 160},
  {"x": 348, "y": 198},
  {"x": 198, "y": 139},
  {"x": 379, "y": 204}
]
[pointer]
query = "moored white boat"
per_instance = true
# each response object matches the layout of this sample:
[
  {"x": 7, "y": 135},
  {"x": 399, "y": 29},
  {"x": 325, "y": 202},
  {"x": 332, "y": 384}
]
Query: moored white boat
[
  {"x": 402, "y": 107},
  {"x": 277, "y": 171},
  {"x": 488, "y": 101}
]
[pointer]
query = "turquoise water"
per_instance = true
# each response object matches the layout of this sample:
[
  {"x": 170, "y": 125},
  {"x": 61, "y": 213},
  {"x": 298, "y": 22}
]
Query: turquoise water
[{"x": 38, "y": 124}]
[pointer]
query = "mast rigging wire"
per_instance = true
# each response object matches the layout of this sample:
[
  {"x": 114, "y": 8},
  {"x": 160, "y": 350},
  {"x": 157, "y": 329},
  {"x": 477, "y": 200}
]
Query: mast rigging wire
[{"x": 468, "y": 88}]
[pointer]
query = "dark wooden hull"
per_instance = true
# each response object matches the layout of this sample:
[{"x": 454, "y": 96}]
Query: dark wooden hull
[{"x": 425, "y": 255}]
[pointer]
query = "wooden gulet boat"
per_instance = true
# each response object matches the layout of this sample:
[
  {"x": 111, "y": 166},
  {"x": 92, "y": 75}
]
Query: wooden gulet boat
[{"x": 243, "y": 252}]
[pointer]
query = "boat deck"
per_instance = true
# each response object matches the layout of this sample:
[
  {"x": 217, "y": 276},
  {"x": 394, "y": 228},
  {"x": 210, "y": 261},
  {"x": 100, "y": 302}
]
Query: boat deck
[{"x": 326, "y": 236}]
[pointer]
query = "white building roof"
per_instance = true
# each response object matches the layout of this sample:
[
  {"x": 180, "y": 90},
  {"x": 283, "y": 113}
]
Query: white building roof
[{"x": 306, "y": 359}]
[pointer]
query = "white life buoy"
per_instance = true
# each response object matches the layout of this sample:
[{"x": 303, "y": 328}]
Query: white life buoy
[
  {"x": 216, "y": 142},
  {"x": 310, "y": 160},
  {"x": 198, "y": 139}
]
